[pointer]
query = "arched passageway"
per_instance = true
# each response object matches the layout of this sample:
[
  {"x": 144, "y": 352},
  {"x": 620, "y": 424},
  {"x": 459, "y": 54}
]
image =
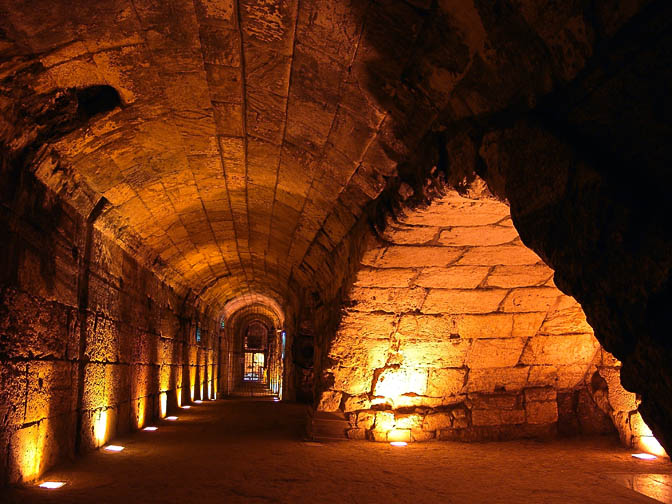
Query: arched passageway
[{"x": 201, "y": 196}]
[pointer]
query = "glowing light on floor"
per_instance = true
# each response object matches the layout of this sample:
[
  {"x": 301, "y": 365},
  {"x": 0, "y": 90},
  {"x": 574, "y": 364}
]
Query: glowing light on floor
[
  {"x": 114, "y": 448},
  {"x": 150, "y": 429},
  {"x": 398, "y": 443},
  {"x": 51, "y": 485},
  {"x": 276, "y": 399},
  {"x": 198, "y": 401},
  {"x": 186, "y": 407},
  {"x": 644, "y": 456},
  {"x": 171, "y": 418}
]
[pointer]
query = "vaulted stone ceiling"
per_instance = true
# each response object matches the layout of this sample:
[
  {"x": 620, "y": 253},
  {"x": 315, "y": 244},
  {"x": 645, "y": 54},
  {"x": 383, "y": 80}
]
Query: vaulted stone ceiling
[{"x": 253, "y": 132}]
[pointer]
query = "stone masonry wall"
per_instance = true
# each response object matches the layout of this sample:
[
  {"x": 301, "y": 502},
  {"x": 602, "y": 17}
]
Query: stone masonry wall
[
  {"x": 91, "y": 344},
  {"x": 455, "y": 330}
]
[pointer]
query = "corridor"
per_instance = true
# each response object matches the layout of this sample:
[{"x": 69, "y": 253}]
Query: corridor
[{"x": 253, "y": 451}]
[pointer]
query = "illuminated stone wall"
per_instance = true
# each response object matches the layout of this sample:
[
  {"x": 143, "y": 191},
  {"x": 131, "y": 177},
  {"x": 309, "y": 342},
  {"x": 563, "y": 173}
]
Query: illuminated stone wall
[
  {"x": 453, "y": 329},
  {"x": 108, "y": 339}
]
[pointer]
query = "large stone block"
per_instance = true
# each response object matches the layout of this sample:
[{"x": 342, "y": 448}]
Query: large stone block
[
  {"x": 437, "y": 421},
  {"x": 394, "y": 382},
  {"x": 492, "y": 417},
  {"x": 499, "y": 255},
  {"x": 560, "y": 350},
  {"x": 526, "y": 325},
  {"x": 569, "y": 320},
  {"x": 356, "y": 403},
  {"x": 371, "y": 353},
  {"x": 494, "y": 353},
  {"x": 505, "y": 379},
  {"x": 531, "y": 299},
  {"x": 416, "y": 256},
  {"x": 477, "y": 235},
  {"x": 491, "y": 325},
  {"x": 413, "y": 326},
  {"x": 353, "y": 380},
  {"x": 392, "y": 300},
  {"x": 330, "y": 400},
  {"x": 541, "y": 412},
  {"x": 446, "y": 382},
  {"x": 519, "y": 276},
  {"x": 437, "y": 353},
  {"x": 463, "y": 301},
  {"x": 356, "y": 325},
  {"x": 384, "y": 277},
  {"x": 454, "y": 277},
  {"x": 410, "y": 235}
]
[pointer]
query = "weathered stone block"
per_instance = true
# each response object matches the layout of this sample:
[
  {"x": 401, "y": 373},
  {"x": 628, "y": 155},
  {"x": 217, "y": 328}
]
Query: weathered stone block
[
  {"x": 541, "y": 412},
  {"x": 421, "y": 435},
  {"x": 383, "y": 277},
  {"x": 355, "y": 403},
  {"x": 393, "y": 300},
  {"x": 477, "y": 235},
  {"x": 395, "y": 382},
  {"x": 446, "y": 382},
  {"x": 330, "y": 401},
  {"x": 410, "y": 235},
  {"x": 366, "y": 419},
  {"x": 496, "y": 401},
  {"x": 540, "y": 394},
  {"x": 463, "y": 301},
  {"x": 407, "y": 421},
  {"x": 400, "y": 256},
  {"x": 499, "y": 255},
  {"x": 437, "y": 421},
  {"x": 454, "y": 277},
  {"x": 489, "y": 379},
  {"x": 438, "y": 353},
  {"x": 559, "y": 350},
  {"x": 530, "y": 299},
  {"x": 497, "y": 417},
  {"x": 507, "y": 276},
  {"x": 357, "y": 434},
  {"x": 526, "y": 325},
  {"x": 489, "y": 353}
]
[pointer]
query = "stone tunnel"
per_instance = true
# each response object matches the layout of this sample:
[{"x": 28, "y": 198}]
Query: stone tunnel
[{"x": 405, "y": 221}]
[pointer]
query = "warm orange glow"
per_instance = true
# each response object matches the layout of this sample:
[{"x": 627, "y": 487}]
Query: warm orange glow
[
  {"x": 398, "y": 435},
  {"x": 51, "y": 485},
  {"x": 141, "y": 412},
  {"x": 178, "y": 394},
  {"x": 100, "y": 428},
  {"x": 393, "y": 383},
  {"x": 163, "y": 404},
  {"x": 114, "y": 448},
  {"x": 28, "y": 454}
]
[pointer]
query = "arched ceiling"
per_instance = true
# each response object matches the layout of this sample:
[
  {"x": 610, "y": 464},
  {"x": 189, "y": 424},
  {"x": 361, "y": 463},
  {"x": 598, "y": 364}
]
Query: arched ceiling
[{"x": 253, "y": 132}]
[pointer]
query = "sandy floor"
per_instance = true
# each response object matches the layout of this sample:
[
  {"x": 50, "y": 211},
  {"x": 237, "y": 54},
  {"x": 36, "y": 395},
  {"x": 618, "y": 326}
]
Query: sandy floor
[{"x": 252, "y": 451}]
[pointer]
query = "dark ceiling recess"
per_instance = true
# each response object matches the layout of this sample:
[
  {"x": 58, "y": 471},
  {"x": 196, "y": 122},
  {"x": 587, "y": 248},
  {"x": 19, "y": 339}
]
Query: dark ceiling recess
[{"x": 94, "y": 100}]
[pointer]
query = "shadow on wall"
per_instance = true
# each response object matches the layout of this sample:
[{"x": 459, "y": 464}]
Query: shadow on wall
[{"x": 504, "y": 86}]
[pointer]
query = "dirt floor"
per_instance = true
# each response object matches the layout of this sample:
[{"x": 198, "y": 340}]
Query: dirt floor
[{"x": 243, "y": 451}]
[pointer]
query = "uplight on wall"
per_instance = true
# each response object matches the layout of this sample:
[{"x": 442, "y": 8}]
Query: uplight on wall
[
  {"x": 163, "y": 404},
  {"x": 52, "y": 485}
]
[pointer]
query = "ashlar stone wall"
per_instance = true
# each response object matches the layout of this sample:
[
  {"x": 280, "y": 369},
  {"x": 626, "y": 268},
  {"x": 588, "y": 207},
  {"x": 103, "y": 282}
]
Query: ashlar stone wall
[
  {"x": 453, "y": 329},
  {"x": 92, "y": 344}
]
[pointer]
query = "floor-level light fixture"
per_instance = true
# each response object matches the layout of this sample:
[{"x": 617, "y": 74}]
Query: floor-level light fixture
[{"x": 52, "y": 485}]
